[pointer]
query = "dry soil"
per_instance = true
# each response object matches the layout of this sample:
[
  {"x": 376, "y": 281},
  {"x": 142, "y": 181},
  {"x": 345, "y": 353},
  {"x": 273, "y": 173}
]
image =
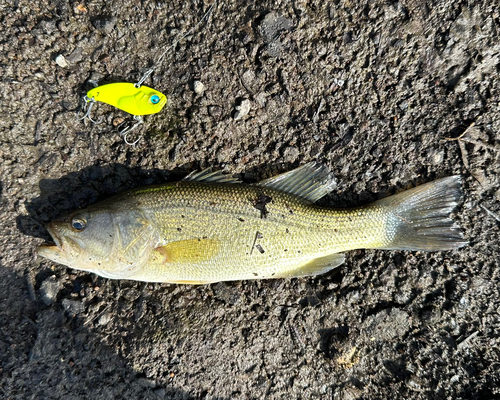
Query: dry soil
[{"x": 375, "y": 90}]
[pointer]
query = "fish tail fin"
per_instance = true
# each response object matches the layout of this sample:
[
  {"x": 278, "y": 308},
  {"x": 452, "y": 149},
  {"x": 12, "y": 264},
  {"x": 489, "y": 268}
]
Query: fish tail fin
[{"x": 420, "y": 217}]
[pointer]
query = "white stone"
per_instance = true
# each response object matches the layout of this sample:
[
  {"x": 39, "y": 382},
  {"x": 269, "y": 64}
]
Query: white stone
[
  {"x": 61, "y": 61},
  {"x": 242, "y": 110},
  {"x": 199, "y": 87}
]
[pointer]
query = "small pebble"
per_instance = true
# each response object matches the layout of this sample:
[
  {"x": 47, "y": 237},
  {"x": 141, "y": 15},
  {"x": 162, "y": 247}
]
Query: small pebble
[
  {"x": 104, "y": 23},
  {"x": 75, "y": 56},
  {"x": 215, "y": 111},
  {"x": 81, "y": 8},
  {"x": 73, "y": 307},
  {"x": 273, "y": 24},
  {"x": 198, "y": 87},
  {"x": 49, "y": 289},
  {"x": 61, "y": 61},
  {"x": 118, "y": 120},
  {"x": 338, "y": 82},
  {"x": 416, "y": 384},
  {"x": 438, "y": 157},
  {"x": 104, "y": 319},
  {"x": 242, "y": 110},
  {"x": 248, "y": 78},
  {"x": 291, "y": 153},
  {"x": 261, "y": 98}
]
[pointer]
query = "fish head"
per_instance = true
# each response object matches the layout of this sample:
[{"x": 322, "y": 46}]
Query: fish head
[{"x": 83, "y": 240}]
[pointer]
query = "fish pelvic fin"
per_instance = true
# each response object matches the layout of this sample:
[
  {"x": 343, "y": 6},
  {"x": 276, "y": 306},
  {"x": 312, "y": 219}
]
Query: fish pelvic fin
[
  {"x": 310, "y": 182},
  {"x": 317, "y": 266},
  {"x": 420, "y": 218}
]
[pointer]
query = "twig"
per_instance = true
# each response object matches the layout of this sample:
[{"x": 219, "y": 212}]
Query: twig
[
  {"x": 320, "y": 108},
  {"x": 467, "y": 340},
  {"x": 461, "y": 135},
  {"x": 490, "y": 213},
  {"x": 464, "y": 132}
]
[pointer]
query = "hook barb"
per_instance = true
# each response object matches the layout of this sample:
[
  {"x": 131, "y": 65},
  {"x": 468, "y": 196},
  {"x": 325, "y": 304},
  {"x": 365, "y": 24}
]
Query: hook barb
[
  {"x": 127, "y": 128},
  {"x": 87, "y": 109}
]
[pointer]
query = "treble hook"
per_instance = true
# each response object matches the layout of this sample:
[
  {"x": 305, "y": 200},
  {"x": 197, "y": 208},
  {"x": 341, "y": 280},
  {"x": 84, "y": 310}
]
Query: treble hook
[
  {"x": 127, "y": 129},
  {"x": 87, "y": 109}
]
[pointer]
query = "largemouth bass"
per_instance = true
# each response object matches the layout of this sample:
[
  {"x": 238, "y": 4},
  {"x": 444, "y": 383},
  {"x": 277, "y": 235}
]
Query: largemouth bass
[{"x": 210, "y": 227}]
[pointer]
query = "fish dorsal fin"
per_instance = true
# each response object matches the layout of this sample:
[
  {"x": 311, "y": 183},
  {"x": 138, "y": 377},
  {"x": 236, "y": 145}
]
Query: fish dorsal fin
[
  {"x": 317, "y": 266},
  {"x": 207, "y": 175},
  {"x": 311, "y": 182}
]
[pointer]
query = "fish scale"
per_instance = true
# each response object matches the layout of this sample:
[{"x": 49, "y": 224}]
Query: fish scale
[{"x": 289, "y": 239}]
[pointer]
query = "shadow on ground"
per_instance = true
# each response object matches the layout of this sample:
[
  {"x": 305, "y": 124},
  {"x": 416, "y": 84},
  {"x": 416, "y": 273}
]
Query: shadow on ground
[{"x": 62, "y": 357}]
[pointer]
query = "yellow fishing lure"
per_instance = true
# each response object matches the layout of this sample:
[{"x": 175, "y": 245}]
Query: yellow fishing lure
[{"x": 134, "y": 100}]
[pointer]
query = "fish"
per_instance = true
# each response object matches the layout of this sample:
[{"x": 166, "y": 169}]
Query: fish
[{"x": 211, "y": 227}]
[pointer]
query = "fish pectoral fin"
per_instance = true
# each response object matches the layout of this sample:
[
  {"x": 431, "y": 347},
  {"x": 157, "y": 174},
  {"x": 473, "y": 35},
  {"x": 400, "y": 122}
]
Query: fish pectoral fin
[
  {"x": 188, "y": 251},
  {"x": 317, "y": 266}
]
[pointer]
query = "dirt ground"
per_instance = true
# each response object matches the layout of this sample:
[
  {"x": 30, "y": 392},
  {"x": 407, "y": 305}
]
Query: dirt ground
[{"x": 374, "y": 90}]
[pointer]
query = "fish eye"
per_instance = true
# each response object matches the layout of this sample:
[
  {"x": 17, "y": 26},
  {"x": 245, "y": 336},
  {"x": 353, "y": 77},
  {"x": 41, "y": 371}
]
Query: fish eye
[
  {"x": 155, "y": 99},
  {"x": 78, "y": 224}
]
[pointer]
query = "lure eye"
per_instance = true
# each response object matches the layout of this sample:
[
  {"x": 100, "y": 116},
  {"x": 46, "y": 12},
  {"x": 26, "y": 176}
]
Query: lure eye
[
  {"x": 78, "y": 224},
  {"x": 155, "y": 99}
]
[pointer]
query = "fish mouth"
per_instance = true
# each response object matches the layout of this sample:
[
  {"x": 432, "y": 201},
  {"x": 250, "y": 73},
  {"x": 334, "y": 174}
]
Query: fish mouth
[
  {"x": 47, "y": 250},
  {"x": 52, "y": 251},
  {"x": 53, "y": 234}
]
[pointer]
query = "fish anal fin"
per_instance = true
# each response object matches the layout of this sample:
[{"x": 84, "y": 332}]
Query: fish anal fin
[
  {"x": 188, "y": 251},
  {"x": 317, "y": 266}
]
